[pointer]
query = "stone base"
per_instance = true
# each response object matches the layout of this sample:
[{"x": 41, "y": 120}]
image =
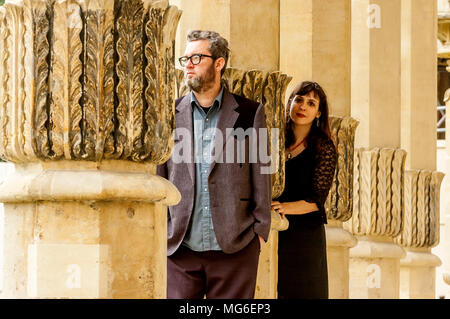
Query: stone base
[
  {"x": 267, "y": 278},
  {"x": 375, "y": 269},
  {"x": 338, "y": 243},
  {"x": 109, "y": 241},
  {"x": 418, "y": 274}
]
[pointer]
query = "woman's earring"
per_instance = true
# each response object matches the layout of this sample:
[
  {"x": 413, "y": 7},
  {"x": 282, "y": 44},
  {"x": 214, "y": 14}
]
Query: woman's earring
[{"x": 317, "y": 122}]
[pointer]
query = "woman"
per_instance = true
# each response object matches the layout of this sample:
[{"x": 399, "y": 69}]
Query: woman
[{"x": 310, "y": 165}]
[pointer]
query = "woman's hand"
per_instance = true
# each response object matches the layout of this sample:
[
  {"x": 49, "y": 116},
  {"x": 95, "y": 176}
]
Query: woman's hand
[
  {"x": 280, "y": 208},
  {"x": 293, "y": 208}
]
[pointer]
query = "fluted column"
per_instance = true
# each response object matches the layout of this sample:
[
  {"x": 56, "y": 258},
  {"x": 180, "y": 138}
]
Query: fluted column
[
  {"x": 377, "y": 219},
  {"x": 419, "y": 234},
  {"x": 87, "y": 108}
]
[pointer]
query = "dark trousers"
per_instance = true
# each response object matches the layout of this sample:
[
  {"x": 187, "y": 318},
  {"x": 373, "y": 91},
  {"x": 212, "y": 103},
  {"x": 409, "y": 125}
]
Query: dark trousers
[{"x": 214, "y": 274}]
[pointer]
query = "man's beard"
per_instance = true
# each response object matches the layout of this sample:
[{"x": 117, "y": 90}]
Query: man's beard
[{"x": 202, "y": 83}]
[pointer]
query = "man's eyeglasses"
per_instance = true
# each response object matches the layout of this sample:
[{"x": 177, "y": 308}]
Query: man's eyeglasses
[{"x": 195, "y": 59}]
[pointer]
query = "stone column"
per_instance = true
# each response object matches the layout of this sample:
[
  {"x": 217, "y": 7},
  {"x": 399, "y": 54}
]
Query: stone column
[
  {"x": 6, "y": 169},
  {"x": 376, "y": 221},
  {"x": 315, "y": 45},
  {"x": 376, "y": 104},
  {"x": 420, "y": 233},
  {"x": 445, "y": 204},
  {"x": 250, "y": 26},
  {"x": 339, "y": 207},
  {"x": 313, "y": 35},
  {"x": 419, "y": 78},
  {"x": 418, "y": 138},
  {"x": 87, "y": 97},
  {"x": 267, "y": 278},
  {"x": 375, "y": 72},
  {"x": 339, "y": 241},
  {"x": 443, "y": 249},
  {"x": 444, "y": 246}
]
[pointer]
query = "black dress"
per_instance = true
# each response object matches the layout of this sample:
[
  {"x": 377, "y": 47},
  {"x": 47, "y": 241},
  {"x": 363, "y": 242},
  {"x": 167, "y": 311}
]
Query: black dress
[{"x": 302, "y": 258}]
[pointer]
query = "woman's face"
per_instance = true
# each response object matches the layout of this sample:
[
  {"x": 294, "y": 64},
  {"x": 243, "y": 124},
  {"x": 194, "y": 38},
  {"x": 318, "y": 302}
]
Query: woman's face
[{"x": 304, "y": 109}]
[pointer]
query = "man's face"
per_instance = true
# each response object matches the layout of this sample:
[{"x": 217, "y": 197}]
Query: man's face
[{"x": 201, "y": 76}]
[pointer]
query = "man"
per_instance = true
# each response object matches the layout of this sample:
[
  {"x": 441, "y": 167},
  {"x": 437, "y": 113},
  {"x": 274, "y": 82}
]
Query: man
[{"x": 216, "y": 231}]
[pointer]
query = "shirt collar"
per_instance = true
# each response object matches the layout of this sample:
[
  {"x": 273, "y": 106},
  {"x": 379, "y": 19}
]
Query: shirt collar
[{"x": 217, "y": 101}]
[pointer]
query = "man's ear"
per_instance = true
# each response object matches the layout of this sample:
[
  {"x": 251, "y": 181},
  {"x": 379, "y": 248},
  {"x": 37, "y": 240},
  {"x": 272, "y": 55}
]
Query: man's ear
[{"x": 220, "y": 64}]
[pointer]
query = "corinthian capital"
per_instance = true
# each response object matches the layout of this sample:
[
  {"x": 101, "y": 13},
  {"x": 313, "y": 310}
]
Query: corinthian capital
[
  {"x": 87, "y": 80},
  {"x": 421, "y": 215},
  {"x": 339, "y": 204},
  {"x": 378, "y": 189}
]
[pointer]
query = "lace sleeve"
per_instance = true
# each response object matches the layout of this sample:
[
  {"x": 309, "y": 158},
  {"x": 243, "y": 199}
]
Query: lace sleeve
[{"x": 325, "y": 165}]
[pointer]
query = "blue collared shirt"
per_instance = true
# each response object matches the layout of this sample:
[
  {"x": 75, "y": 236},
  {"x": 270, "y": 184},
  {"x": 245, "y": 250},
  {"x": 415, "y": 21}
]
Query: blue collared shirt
[{"x": 200, "y": 235}]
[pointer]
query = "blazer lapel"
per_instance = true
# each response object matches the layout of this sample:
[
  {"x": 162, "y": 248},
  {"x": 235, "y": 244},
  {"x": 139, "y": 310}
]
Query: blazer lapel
[
  {"x": 183, "y": 119},
  {"x": 227, "y": 119}
]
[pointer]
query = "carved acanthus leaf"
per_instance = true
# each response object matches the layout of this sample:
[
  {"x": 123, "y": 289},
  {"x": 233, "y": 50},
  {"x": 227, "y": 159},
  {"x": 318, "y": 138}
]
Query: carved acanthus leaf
[{"x": 378, "y": 206}]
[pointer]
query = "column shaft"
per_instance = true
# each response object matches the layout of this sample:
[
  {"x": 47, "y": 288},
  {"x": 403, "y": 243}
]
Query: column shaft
[
  {"x": 375, "y": 72},
  {"x": 419, "y": 78},
  {"x": 315, "y": 45}
]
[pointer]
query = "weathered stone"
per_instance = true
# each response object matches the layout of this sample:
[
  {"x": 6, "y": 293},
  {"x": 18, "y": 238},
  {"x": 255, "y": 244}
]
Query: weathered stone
[
  {"x": 83, "y": 79},
  {"x": 378, "y": 188},
  {"x": 421, "y": 214},
  {"x": 87, "y": 92},
  {"x": 420, "y": 233},
  {"x": 339, "y": 204},
  {"x": 377, "y": 219}
]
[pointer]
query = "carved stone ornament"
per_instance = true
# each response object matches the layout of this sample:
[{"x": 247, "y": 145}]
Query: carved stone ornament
[
  {"x": 87, "y": 80},
  {"x": 339, "y": 203},
  {"x": 421, "y": 217},
  {"x": 267, "y": 88},
  {"x": 378, "y": 204}
]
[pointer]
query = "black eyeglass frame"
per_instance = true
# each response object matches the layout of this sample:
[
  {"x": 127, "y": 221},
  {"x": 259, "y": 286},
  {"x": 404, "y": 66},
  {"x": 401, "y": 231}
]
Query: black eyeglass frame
[{"x": 183, "y": 60}]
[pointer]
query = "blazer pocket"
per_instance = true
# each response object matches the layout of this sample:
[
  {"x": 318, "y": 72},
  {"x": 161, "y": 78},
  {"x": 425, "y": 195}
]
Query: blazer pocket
[{"x": 246, "y": 199}]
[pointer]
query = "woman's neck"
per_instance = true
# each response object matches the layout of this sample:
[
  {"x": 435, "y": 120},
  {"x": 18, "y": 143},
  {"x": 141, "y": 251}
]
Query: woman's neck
[{"x": 300, "y": 132}]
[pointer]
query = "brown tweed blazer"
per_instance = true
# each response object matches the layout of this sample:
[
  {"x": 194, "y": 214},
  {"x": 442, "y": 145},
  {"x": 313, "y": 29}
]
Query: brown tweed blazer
[{"x": 240, "y": 196}]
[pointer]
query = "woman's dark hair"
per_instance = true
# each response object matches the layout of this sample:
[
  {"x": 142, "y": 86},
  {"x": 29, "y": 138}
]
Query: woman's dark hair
[{"x": 317, "y": 133}]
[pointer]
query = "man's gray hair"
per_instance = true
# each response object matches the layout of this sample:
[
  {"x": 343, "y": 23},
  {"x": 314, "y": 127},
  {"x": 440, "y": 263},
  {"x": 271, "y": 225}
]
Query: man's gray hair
[{"x": 218, "y": 46}]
